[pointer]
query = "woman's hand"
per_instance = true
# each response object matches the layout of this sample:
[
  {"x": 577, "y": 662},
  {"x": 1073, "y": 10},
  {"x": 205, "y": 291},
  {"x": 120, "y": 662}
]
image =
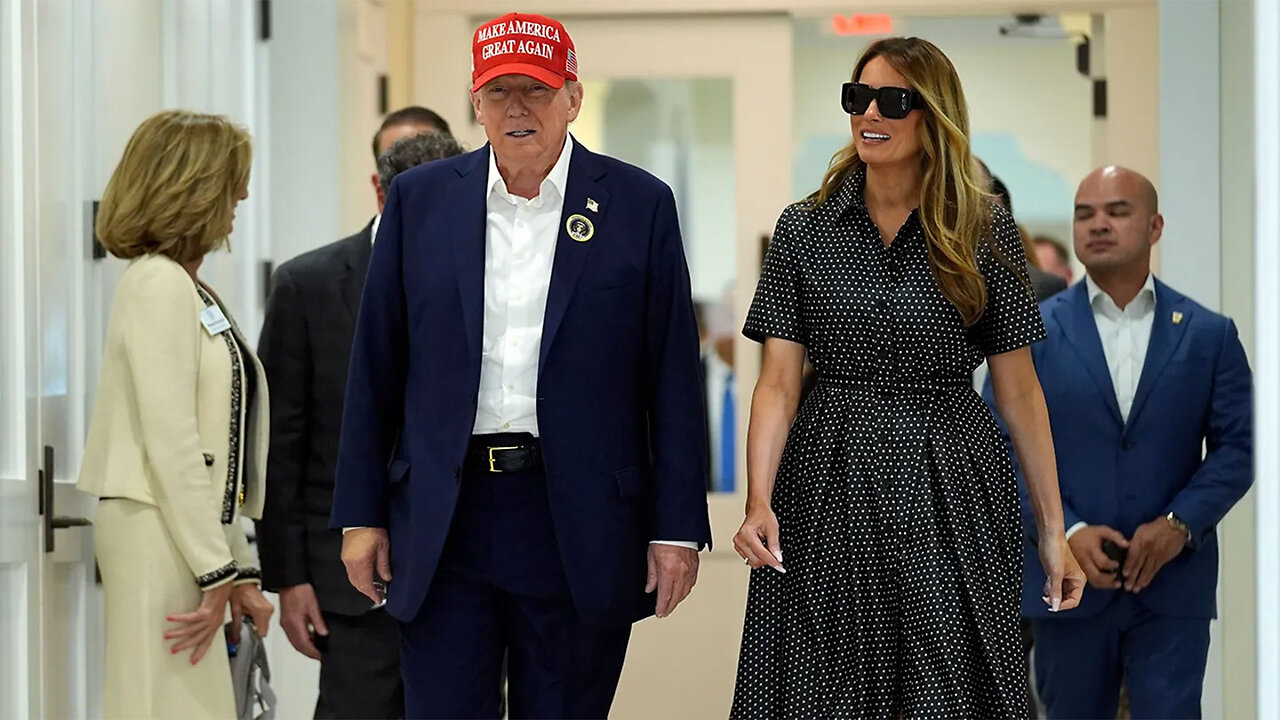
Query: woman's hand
[
  {"x": 248, "y": 600},
  {"x": 198, "y": 628},
  {"x": 1064, "y": 582},
  {"x": 757, "y": 540}
]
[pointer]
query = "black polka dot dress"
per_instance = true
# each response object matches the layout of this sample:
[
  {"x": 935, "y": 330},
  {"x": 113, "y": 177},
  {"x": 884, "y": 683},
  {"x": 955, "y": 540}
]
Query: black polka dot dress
[{"x": 897, "y": 502}]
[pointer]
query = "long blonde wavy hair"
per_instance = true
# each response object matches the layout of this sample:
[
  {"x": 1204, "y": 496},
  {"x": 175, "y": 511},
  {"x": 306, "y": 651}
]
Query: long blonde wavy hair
[
  {"x": 955, "y": 208},
  {"x": 176, "y": 187}
]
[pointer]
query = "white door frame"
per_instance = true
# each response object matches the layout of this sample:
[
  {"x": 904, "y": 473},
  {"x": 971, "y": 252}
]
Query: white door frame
[{"x": 1266, "y": 83}]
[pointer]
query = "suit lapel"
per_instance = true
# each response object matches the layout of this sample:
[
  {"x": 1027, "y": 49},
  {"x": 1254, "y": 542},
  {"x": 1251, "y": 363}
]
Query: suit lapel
[
  {"x": 1165, "y": 337},
  {"x": 357, "y": 267},
  {"x": 584, "y": 172},
  {"x": 466, "y": 230},
  {"x": 1082, "y": 332}
]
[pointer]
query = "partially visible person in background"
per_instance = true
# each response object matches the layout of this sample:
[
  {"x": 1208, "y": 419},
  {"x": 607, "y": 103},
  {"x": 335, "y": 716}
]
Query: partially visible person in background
[
  {"x": 1054, "y": 257},
  {"x": 178, "y": 437},
  {"x": 718, "y": 376},
  {"x": 305, "y": 345},
  {"x": 411, "y": 120},
  {"x": 1043, "y": 284}
]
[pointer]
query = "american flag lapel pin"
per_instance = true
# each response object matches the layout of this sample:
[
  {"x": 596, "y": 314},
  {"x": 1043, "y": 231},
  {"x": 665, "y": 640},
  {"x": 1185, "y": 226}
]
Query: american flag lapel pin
[{"x": 592, "y": 205}]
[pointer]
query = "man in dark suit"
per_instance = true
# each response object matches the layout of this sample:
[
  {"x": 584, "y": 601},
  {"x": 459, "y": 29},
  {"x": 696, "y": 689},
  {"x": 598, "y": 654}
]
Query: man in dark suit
[
  {"x": 522, "y": 459},
  {"x": 1150, "y": 399},
  {"x": 305, "y": 346},
  {"x": 1045, "y": 285}
]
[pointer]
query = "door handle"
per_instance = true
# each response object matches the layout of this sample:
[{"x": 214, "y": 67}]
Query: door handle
[{"x": 53, "y": 522}]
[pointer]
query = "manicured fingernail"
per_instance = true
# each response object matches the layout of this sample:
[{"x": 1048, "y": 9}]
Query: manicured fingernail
[
  {"x": 780, "y": 569},
  {"x": 779, "y": 556},
  {"x": 1057, "y": 604}
]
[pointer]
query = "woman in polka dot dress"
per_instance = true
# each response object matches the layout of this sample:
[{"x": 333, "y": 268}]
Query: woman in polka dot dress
[{"x": 890, "y": 492}]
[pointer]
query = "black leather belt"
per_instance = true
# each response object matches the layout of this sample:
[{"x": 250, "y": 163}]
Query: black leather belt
[{"x": 504, "y": 453}]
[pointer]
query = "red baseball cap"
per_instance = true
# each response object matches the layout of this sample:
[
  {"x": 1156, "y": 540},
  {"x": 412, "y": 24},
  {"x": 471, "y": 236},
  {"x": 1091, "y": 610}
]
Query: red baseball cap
[{"x": 522, "y": 44}]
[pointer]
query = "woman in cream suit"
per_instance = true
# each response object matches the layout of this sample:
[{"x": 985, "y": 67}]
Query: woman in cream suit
[{"x": 178, "y": 439}]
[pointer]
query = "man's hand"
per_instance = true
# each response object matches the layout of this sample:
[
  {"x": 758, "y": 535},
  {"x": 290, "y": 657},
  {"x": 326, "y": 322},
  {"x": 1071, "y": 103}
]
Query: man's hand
[
  {"x": 1154, "y": 544},
  {"x": 299, "y": 615},
  {"x": 1086, "y": 545},
  {"x": 364, "y": 549},
  {"x": 673, "y": 571}
]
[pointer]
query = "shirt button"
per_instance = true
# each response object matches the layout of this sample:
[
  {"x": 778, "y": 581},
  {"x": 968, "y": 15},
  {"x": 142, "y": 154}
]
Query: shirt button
[{"x": 506, "y": 426}]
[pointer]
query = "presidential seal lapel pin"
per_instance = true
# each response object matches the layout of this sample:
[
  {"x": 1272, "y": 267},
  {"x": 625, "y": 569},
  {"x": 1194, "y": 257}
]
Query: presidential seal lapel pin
[
  {"x": 579, "y": 228},
  {"x": 1177, "y": 318},
  {"x": 592, "y": 205}
]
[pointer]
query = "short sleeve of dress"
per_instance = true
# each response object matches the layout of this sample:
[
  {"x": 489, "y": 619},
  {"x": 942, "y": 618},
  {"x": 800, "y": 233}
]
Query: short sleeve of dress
[
  {"x": 775, "y": 310},
  {"x": 1011, "y": 319}
]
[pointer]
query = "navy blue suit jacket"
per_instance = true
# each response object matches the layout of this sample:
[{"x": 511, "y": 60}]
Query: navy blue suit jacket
[
  {"x": 1195, "y": 392},
  {"x": 620, "y": 412}
]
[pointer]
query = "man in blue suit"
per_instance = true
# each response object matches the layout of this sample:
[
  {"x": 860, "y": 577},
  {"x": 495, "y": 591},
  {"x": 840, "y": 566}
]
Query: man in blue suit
[
  {"x": 523, "y": 449},
  {"x": 1150, "y": 399}
]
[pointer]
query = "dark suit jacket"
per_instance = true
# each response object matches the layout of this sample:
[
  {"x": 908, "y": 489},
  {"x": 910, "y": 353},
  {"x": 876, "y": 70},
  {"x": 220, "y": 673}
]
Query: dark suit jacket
[
  {"x": 620, "y": 410},
  {"x": 1195, "y": 388},
  {"x": 1045, "y": 285},
  {"x": 305, "y": 348}
]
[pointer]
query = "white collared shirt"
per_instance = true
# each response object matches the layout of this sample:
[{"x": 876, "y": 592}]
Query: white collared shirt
[
  {"x": 1125, "y": 336},
  {"x": 520, "y": 247},
  {"x": 373, "y": 233}
]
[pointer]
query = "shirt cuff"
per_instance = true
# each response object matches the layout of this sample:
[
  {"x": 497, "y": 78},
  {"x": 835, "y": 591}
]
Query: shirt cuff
[
  {"x": 358, "y": 527},
  {"x": 676, "y": 543},
  {"x": 1076, "y": 528}
]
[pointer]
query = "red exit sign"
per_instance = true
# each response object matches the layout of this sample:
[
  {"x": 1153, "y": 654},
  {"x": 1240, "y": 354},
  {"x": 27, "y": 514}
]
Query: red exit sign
[{"x": 862, "y": 24}]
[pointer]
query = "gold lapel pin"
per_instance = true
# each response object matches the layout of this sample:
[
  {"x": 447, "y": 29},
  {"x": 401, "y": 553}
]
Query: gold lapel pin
[
  {"x": 1177, "y": 318},
  {"x": 592, "y": 205},
  {"x": 579, "y": 228}
]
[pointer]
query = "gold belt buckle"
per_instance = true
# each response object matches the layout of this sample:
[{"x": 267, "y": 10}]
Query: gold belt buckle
[{"x": 492, "y": 459}]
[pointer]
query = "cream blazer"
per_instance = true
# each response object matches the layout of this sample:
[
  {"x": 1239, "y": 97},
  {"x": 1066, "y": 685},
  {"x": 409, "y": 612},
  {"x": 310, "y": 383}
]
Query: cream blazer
[{"x": 172, "y": 426}]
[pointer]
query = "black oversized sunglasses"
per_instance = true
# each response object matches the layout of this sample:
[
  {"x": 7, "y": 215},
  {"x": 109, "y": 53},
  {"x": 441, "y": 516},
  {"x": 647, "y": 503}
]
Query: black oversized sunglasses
[{"x": 893, "y": 102}]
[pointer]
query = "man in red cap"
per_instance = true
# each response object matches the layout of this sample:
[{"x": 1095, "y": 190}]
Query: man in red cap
[{"x": 522, "y": 465}]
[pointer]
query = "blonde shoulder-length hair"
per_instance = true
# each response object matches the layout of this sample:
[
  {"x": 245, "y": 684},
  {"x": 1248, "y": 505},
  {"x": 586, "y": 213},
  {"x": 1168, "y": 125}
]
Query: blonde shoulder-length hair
[
  {"x": 176, "y": 187},
  {"x": 955, "y": 208}
]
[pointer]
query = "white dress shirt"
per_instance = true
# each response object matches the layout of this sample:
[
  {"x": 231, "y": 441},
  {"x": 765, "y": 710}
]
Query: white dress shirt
[
  {"x": 1125, "y": 335},
  {"x": 520, "y": 247},
  {"x": 373, "y": 232}
]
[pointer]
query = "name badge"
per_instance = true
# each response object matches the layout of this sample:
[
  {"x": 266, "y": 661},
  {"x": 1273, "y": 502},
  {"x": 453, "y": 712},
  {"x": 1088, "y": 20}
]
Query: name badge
[{"x": 213, "y": 320}]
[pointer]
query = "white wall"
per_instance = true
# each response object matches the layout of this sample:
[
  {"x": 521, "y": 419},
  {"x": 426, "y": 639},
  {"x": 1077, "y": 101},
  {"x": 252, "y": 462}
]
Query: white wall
[
  {"x": 1239, "y": 583},
  {"x": 304, "y": 106},
  {"x": 1029, "y": 109}
]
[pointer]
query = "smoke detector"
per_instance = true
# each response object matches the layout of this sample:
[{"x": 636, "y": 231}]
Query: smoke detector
[{"x": 1035, "y": 26}]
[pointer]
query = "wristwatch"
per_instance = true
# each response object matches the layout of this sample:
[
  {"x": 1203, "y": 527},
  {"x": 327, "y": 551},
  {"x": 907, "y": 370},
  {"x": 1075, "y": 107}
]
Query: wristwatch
[{"x": 1176, "y": 521}]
